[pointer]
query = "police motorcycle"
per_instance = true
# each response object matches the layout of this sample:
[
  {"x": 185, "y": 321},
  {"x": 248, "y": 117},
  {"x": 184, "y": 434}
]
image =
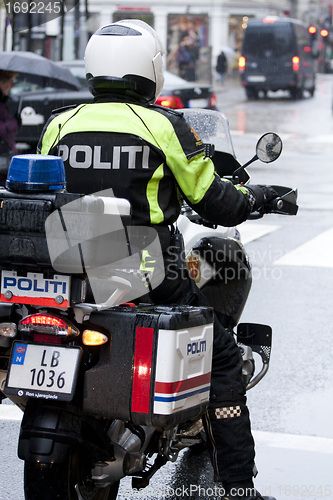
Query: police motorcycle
[{"x": 110, "y": 385}]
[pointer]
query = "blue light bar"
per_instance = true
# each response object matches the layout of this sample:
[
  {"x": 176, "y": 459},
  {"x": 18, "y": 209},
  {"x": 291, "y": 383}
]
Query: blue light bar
[{"x": 32, "y": 172}]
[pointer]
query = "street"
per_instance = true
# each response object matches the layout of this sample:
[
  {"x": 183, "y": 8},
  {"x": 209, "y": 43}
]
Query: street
[{"x": 292, "y": 288}]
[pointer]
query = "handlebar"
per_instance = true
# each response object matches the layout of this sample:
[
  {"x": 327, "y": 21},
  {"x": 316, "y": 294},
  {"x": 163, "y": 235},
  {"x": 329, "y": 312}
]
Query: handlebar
[{"x": 285, "y": 204}]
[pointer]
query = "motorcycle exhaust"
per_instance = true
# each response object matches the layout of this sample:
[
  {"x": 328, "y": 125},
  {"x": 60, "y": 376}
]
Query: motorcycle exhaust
[{"x": 127, "y": 456}]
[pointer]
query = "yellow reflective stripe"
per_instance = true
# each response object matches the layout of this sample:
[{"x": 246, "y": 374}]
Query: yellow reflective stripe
[
  {"x": 156, "y": 214},
  {"x": 106, "y": 117},
  {"x": 194, "y": 176},
  {"x": 53, "y": 132},
  {"x": 241, "y": 188}
]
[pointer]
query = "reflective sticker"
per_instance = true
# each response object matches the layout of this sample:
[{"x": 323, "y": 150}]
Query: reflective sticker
[{"x": 228, "y": 412}]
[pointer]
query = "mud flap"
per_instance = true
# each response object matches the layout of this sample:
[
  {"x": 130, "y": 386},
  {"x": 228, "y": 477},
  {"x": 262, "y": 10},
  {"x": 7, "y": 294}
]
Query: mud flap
[
  {"x": 259, "y": 339},
  {"x": 47, "y": 432}
]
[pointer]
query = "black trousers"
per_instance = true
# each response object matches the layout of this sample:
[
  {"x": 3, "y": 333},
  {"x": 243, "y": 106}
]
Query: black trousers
[{"x": 227, "y": 422}]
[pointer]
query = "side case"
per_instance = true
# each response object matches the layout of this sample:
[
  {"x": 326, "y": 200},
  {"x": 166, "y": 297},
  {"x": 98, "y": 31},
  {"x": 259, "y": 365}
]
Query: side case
[{"x": 156, "y": 370}]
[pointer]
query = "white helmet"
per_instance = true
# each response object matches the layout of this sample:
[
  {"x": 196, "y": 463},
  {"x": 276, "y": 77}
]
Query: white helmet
[{"x": 125, "y": 57}]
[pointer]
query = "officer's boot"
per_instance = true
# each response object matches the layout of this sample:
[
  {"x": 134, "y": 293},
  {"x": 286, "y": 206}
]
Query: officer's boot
[
  {"x": 243, "y": 490},
  {"x": 231, "y": 447}
]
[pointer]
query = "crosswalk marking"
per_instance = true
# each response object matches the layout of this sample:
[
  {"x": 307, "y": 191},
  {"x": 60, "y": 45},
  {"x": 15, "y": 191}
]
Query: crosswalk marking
[
  {"x": 251, "y": 231},
  {"x": 315, "y": 253},
  {"x": 315, "y": 444},
  {"x": 326, "y": 138}
]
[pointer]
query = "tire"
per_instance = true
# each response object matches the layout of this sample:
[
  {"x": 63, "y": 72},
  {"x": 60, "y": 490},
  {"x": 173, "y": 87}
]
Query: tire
[
  {"x": 61, "y": 481},
  {"x": 251, "y": 93},
  {"x": 312, "y": 91},
  {"x": 296, "y": 92}
]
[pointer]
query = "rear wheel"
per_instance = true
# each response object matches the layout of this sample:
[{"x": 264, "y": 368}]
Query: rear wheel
[
  {"x": 312, "y": 91},
  {"x": 296, "y": 92},
  {"x": 251, "y": 93},
  {"x": 69, "y": 480}
]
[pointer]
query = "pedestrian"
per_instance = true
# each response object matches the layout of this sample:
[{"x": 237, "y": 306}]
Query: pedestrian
[
  {"x": 153, "y": 157},
  {"x": 8, "y": 123},
  {"x": 221, "y": 67}
]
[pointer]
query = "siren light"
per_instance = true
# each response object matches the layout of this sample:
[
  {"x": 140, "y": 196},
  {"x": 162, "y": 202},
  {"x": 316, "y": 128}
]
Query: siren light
[{"x": 35, "y": 172}]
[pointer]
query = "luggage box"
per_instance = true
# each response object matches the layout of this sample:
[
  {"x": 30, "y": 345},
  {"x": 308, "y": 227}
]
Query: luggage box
[
  {"x": 22, "y": 228},
  {"x": 72, "y": 223},
  {"x": 156, "y": 370}
]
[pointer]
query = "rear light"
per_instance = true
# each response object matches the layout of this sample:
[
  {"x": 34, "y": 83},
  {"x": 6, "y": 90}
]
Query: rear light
[
  {"x": 269, "y": 20},
  {"x": 295, "y": 61},
  {"x": 241, "y": 63},
  {"x": 170, "y": 101},
  {"x": 47, "y": 324},
  {"x": 93, "y": 338},
  {"x": 8, "y": 330},
  {"x": 213, "y": 100}
]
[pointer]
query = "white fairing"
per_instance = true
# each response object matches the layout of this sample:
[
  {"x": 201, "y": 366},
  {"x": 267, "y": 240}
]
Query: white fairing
[{"x": 192, "y": 232}]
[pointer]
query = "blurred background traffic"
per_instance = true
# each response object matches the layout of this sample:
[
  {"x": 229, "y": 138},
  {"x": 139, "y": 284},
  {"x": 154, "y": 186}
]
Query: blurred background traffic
[{"x": 204, "y": 43}]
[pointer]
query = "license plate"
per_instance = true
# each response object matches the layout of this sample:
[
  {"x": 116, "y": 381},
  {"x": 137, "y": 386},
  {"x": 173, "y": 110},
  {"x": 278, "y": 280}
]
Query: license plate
[
  {"x": 43, "y": 371},
  {"x": 256, "y": 78},
  {"x": 197, "y": 103},
  {"x": 35, "y": 289}
]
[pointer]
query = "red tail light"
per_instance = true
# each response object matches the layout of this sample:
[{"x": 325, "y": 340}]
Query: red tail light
[
  {"x": 170, "y": 101},
  {"x": 295, "y": 61},
  {"x": 48, "y": 324},
  {"x": 213, "y": 100},
  {"x": 241, "y": 63}
]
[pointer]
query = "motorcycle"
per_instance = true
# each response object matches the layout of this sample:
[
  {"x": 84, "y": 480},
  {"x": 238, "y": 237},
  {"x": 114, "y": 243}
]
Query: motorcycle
[{"x": 111, "y": 385}]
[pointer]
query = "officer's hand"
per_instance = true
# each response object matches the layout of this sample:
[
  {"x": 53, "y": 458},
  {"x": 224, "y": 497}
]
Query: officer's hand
[{"x": 261, "y": 196}]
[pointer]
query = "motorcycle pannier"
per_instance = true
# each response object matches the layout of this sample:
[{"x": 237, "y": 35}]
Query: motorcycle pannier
[{"x": 156, "y": 370}]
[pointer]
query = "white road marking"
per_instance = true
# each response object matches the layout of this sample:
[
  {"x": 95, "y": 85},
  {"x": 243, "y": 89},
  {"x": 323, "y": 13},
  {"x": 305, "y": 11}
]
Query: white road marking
[
  {"x": 314, "y": 444},
  {"x": 315, "y": 253},
  {"x": 10, "y": 412},
  {"x": 250, "y": 231},
  {"x": 321, "y": 138}
]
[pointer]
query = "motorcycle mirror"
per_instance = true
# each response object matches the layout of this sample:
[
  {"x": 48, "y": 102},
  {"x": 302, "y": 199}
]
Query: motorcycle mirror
[{"x": 269, "y": 147}]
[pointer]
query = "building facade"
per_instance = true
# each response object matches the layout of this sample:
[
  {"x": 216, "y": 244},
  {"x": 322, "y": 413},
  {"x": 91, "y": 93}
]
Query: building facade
[{"x": 196, "y": 29}]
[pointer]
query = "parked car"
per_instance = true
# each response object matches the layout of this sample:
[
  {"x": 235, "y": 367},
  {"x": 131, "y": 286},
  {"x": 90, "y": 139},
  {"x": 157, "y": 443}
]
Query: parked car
[
  {"x": 277, "y": 55},
  {"x": 36, "y": 104},
  {"x": 177, "y": 93}
]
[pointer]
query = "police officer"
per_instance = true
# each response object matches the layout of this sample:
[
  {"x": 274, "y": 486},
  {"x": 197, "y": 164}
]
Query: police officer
[{"x": 149, "y": 155}]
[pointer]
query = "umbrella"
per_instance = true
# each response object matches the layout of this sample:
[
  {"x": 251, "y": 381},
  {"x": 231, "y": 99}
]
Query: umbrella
[
  {"x": 38, "y": 69},
  {"x": 229, "y": 51}
]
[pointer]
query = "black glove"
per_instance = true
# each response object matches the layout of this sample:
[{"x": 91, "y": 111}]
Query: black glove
[{"x": 261, "y": 196}]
